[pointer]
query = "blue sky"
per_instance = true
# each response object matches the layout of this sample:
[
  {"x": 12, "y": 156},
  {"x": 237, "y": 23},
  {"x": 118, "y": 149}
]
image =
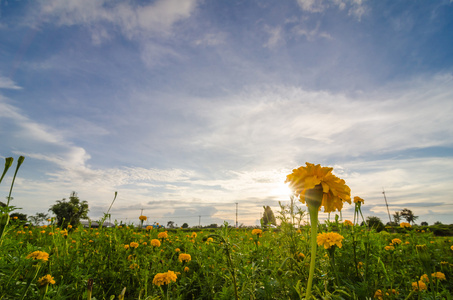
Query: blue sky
[{"x": 188, "y": 107}]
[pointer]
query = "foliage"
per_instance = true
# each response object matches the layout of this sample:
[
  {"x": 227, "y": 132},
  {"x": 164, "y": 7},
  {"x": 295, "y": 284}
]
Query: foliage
[
  {"x": 408, "y": 215},
  {"x": 268, "y": 216},
  {"x": 375, "y": 222},
  {"x": 38, "y": 218},
  {"x": 70, "y": 212}
]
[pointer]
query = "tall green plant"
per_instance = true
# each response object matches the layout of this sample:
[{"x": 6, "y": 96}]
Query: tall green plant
[{"x": 4, "y": 217}]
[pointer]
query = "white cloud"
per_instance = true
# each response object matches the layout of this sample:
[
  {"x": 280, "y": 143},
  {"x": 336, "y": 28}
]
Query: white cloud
[
  {"x": 133, "y": 20},
  {"x": 7, "y": 83},
  {"x": 275, "y": 37},
  {"x": 356, "y": 7}
]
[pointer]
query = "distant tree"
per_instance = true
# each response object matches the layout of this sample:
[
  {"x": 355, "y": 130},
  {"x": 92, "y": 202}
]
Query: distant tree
[
  {"x": 170, "y": 224},
  {"x": 38, "y": 218},
  {"x": 438, "y": 223},
  {"x": 20, "y": 217},
  {"x": 213, "y": 225},
  {"x": 268, "y": 216},
  {"x": 375, "y": 222},
  {"x": 408, "y": 215},
  {"x": 70, "y": 212},
  {"x": 424, "y": 223},
  {"x": 185, "y": 225},
  {"x": 397, "y": 217}
]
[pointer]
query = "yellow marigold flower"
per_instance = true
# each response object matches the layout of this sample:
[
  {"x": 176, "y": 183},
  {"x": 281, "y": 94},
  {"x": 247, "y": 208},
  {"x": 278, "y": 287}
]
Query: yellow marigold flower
[
  {"x": 451, "y": 247},
  {"x": 149, "y": 227},
  {"x": 43, "y": 231},
  {"x": 134, "y": 266},
  {"x": 347, "y": 223},
  {"x": 257, "y": 232},
  {"x": 162, "y": 235},
  {"x": 184, "y": 257},
  {"x": 133, "y": 245},
  {"x": 69, "y": 226},
  {"x": 164, "y": 278},
  {"x": 210, "y": 240},
  {"x": 378, "y": 295},
  {"x": 50, "y": 233},
  {"x": 155, "y": 243},
  {"x": 126, "y": 246},
  {"x": 424, "y": 278},
  {"x": 39, "y": 255},
  {"x": 357, "y": 200},
  {"x": 142, "y": 218},
  {"x": 438, "y": 275},
  {"x": 396, "y": 241},
  {"x": 329, "y": 239},
  {"x": 388, "y": 248},
  {"x": 186, "y": 269},
  {"x": 301, "y": 256},
  {"x": 194, "y": 235},
  {"x": 405, "y": 225},
  {"x": 419, "y": 286},
  {"x": 359, "y": 265},
  {"x": 15, "y": 218},
  {"x": 177, "y": 250},
  {"x": 45, "y": 280},
  {"x": 335, "y": 190}
]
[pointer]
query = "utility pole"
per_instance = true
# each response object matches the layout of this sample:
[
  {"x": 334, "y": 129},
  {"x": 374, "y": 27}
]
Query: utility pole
[
  {"x": 236, "y": 215},
  {"x": 199, "y": 221},
  {"x": 385, "y": 198}
]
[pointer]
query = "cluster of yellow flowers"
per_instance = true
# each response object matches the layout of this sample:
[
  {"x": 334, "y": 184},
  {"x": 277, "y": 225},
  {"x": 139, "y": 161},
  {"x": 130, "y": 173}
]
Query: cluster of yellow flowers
[
  {"x": 329, "y": 239},
  {"x": 39, "y": 255},
  {"x": 184, "y": 257},
  {"x": 45, "y": 280},
  {"x": 165, "y": 278},
  {"x": 257, "y": 232},
  {"x": 405, "y": 225},
  {"x": 335, "y": 190}
]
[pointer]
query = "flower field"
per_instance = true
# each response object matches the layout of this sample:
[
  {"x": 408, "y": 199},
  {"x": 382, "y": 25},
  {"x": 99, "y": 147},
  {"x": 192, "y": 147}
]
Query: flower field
[{"x": 127, "y": 262}]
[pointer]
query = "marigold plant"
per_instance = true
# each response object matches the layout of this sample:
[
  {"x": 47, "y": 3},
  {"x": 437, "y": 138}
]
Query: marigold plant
[
  {"x": 143, "y": 218},
  {"x": 257, "y": 232},
  {"x": 405, "y": 225},
  {"x": 162, "y": 235}
]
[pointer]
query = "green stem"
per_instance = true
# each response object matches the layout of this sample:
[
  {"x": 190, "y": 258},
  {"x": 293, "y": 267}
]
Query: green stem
[{"x": 314, "y": 232}]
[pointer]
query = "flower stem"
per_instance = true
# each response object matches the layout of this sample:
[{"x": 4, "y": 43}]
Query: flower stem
[{"x": 314, "y": 232}]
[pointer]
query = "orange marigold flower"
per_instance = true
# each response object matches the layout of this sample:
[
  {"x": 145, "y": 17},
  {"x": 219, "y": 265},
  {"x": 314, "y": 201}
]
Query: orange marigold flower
[
  {"x": 329, "y": 239},
  {"x": 126, "y": 246},
  {"x": 388, "y": 248},
  {"x": 194, "y": 235},
  {"x": 133, "y": 245},
  {"x": 155, "y": 243},
  {"x": 439, "y": 275},
  {"x": 39, "y": 255},
  {"x": 357, "y": 200},
  {"x": 186, "y": 269},
  {"x": 45, "y": 280},
  {"x": 396, "y": 241},
  {"x": 184, "y": 257},
  {"x": 419, "y": 286},
  {"x": 162, "y": 235},
  {"x": 177, "y": 250},
  {"x": 164, "y": 278},
  {"x": 347, "y": 223},
  {"x": 149, "y": 227},
  {"x": 335, "y": 190},
  {"x": 143, "y": 218},
  {"x": 257, "y": 232}
]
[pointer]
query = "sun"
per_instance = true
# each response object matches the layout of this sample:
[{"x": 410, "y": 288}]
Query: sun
[{"x": 282, "y": 190}]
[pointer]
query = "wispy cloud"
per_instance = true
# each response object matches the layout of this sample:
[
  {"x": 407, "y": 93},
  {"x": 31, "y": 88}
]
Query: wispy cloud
[{"x": 7, "y": 83}]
